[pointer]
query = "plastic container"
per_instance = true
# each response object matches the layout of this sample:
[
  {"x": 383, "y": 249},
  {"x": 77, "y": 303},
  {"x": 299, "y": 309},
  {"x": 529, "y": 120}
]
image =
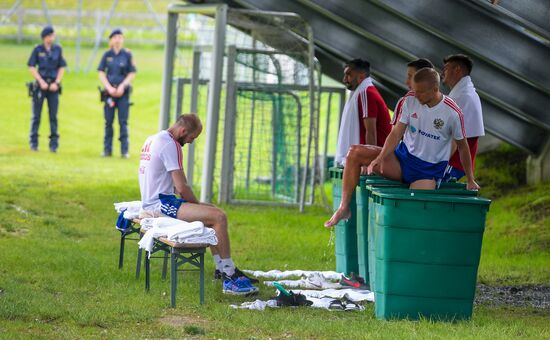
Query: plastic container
[{"x": 427, "y": 250}]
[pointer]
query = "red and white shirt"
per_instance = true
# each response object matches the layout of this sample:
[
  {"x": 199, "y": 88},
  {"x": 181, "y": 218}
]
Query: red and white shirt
[
  {"x": 431, "y": 130},
  {"x": 364, "y": 102},
  {"x": 160, "y": 155}
]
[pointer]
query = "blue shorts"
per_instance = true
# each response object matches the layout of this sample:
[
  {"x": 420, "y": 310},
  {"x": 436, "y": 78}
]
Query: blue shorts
[
  {"x": 453, "y": 174},
  {"x": 414, "y": 169},
  {"x": 169, "y": 205}
]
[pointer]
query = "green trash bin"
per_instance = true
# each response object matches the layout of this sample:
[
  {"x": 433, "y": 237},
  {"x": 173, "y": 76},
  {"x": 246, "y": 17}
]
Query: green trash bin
[
  {"x": 345, "y": 231},
  {"x": 451, "y": 188},
  {"x": 362, "y": 202},
  {"x": 427, "y": 250}
]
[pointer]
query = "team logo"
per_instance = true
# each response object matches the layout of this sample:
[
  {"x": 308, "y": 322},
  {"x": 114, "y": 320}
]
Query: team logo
[
  {"x": 413, "y": 129},
  {"x": 414, "y": 115},
  {"x": 438, "y": 123}
]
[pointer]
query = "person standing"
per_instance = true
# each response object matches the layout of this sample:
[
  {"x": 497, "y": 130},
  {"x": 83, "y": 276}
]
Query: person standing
[
  {"x": 47, "y": 67},
  {"x": 365, "y": 119},
  {"x": 116, "y": 72},
  {"x": 456, "y": 75}
]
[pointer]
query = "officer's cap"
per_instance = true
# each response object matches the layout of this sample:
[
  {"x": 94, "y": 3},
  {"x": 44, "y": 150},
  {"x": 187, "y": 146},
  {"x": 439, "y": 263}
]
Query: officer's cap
[
  {"x": 46, "y": 31},
  {"x": 115, "y": 32}
]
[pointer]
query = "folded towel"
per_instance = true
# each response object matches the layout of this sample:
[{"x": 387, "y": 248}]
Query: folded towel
[{"x": 131, "y": 209}]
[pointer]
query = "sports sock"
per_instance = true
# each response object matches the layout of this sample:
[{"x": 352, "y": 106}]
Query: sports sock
[
  {"x": 228, "y": 267},
  {"x": 217, "y": 262}
]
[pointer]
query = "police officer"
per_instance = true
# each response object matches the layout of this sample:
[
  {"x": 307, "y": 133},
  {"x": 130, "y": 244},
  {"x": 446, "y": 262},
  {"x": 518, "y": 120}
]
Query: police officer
[
  {"x": 47, "y": 66},
  {"x": 116, "y": 72}
]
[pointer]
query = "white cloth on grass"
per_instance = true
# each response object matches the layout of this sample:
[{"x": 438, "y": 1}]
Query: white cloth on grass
[
  {"x": 175, "y": 230},
  {"x": 277, "y": 274},
  {"x": 131, "y": 209},
  {"x": 312, "y": 281},
  {"x": 324, "y": 303}
]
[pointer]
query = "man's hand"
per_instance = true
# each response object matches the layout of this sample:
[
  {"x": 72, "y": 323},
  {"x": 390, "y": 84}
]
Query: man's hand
[
  {"x": 376, "y": 162},
  {"x": 53, "y": 87},
  {"x": 43, "y": 85},
  {"x": 472, "y": 185},
  {"x": 364, "y": 170}
]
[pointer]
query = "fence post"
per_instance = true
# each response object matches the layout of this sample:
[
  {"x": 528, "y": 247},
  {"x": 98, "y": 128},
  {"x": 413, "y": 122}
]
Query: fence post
[{"x": 20, "y": 15}]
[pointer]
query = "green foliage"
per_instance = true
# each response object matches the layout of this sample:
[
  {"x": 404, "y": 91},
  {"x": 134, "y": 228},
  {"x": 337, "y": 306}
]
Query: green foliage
[{"x": 59, "y": 249}]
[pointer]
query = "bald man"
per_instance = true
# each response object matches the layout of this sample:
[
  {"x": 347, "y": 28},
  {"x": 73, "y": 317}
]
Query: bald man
[{"x": 418, "y": 148}]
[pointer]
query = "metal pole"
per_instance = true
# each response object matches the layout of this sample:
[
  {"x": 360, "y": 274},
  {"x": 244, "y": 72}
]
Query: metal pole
[
  {"x": 100, "y": 34},
  {"x": 311, "y": 65},
  {"x": 316, "y": 134},
  {"x": 228, "y": 130},
  {"x": 166, "y": 94},
  {"x": 252, "y": 113},
  {"x": 213, "y": 111},
  {"x": 274, "y": 142},
  {"x": 78, "y": 28},
  {"x": 194, "y": 109},
  {"x": 20, "y": 16},
  {"x": 299, "y": 149},
  {"x": 179, "y": 98},
  {"x": 155, "y": 16},
  {"x": 46, "y": 14},
  {"x": 12, "y": 10}
]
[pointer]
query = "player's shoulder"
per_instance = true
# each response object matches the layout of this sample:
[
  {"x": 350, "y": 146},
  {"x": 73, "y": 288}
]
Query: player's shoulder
[{"x": 451, "y": 105}]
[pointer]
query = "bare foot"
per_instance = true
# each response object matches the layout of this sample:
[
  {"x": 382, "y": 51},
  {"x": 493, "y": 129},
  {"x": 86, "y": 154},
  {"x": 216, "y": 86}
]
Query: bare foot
[{"x": 340, "y": 214}]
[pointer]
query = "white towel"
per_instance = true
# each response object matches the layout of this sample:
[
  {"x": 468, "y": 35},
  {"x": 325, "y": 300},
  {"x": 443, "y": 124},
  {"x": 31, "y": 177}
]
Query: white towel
[
  {"x": 312, "y": 281},
  {"x": 277, "y": 274},
  {"x": 355, "y": 295},
  {"x": 175, "y": 230},
  {"x": 131, "y": 209}
]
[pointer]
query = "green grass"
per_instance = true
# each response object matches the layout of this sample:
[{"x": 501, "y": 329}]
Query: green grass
[{"x": 59, "y": 248}]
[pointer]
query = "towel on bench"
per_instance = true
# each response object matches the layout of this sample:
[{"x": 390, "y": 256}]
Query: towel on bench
[
  {"x": 131, "y": 209},
  {"x": 175, "y": 230}
]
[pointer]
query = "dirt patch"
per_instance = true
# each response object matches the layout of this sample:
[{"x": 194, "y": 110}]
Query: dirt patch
[{"x": 536, "y": 296}]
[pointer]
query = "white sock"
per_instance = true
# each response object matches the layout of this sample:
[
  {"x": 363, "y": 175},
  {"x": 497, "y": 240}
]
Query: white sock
[
  {"x": 217, "y": 262},
  {"x": 228, "y": 267}
]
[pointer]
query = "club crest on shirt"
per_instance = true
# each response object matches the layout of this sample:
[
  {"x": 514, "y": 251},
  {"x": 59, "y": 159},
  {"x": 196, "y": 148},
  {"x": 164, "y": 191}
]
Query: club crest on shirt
[
  {"x": 414, "y": 115},
  {"x": 438, "y": 123}
]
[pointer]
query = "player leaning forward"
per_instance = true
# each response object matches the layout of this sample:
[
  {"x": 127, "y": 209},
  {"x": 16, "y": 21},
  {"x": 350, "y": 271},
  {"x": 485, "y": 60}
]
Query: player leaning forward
[
  {"x": 161, "y": 178},
  {"x": 418, "y": 148}
]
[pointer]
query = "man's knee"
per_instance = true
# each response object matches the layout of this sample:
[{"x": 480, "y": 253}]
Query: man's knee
[{"x": 220, "y": 218}]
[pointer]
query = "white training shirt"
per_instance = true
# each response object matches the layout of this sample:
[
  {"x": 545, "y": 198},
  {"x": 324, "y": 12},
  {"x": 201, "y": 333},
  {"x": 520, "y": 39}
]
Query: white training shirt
[
  {"x": 159, "y": 155},
  {"x": 465, "y": 95},
  {"x": 431, "y": 130}
]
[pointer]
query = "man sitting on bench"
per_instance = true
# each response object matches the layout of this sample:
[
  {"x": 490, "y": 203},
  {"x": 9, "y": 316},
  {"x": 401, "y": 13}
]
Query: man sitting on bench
[
  {"x": 418, "y": 148},
  {"x": 161, "y": 178}
]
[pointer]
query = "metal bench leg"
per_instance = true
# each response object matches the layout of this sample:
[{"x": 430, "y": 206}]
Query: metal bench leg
[
  {"x": 138, "y": 262},
  {"x": 121, "y": 255},
  {"x": 173, "y": 279},
  {"x": 147, "y": 270},
  {"x": 201, "y": 268},
  {"x": 165, "y": 265}
]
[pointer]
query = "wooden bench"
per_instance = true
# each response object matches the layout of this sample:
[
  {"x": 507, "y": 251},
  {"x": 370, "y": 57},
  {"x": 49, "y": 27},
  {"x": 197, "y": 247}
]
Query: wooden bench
[{"x": 180, "y": 254}]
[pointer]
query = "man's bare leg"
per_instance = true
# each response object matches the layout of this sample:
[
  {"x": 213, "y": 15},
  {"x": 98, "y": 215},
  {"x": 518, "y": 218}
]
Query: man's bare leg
[
  {"x": 358, "y": 155},
  {"x": 212, "y": 217},
  {"x": 423, "y": 184}
]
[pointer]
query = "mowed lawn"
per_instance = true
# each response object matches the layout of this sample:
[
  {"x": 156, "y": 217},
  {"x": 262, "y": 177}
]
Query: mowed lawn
[{"x": 59, "y": 249}]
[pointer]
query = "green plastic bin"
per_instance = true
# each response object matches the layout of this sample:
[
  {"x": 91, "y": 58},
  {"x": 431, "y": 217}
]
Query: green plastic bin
[
  {"x": 427, "y": 250},
  {"x": 362, "y": 202},
  {"x": 345, "y": 231}
]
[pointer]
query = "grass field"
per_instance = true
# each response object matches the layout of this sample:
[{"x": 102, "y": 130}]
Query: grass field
[{"x": 59, "y": 248}]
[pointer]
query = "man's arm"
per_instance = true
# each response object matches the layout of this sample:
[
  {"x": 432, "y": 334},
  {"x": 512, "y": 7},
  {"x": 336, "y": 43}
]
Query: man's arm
[
  {"x": 38, "y": 77},
  {"x": 370, "y": 131},
  {"x": 106, "y": 84},
  {"x": 55, "y": 85},
  {"x": 466, "y": 160},
  {"x": 125, "y": 83},
  {"x": 182, "y": 188}
]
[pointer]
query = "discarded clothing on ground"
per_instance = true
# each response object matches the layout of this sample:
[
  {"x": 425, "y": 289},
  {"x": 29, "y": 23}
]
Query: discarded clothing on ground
[
  {"x": 277, "y": 274},
  {"x": 297, "y": 299},
  {"x": 355, "y": 295},
  {"x": 131, "y": 209},
  {"x": 175, "y": 230},
  {"x": 315, "y": 280}
]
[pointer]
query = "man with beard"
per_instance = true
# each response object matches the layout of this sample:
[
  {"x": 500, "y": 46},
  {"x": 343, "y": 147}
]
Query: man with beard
[{"x": 161, "y": 178}]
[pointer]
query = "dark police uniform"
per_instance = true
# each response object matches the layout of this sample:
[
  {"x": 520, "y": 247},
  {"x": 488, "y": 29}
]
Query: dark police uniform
[
  {"x": 48, "y": 64},
  {"x": 116, "y": 68}
]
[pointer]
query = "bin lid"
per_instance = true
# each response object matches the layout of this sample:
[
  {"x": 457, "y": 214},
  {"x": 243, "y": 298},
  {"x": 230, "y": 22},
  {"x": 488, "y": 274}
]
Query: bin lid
[
  {"x": 440, "y": 191},
  {"x": 430, "y": 195}
]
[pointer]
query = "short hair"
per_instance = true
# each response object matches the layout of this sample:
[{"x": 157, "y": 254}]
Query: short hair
[
  {"x": 428, "y": 75},
  {"x": 420, "y": 63},
  {"x": 359, "y": 65},
  {"x": 190, "y": 121},
  {"x": 462, "y": 60}
]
